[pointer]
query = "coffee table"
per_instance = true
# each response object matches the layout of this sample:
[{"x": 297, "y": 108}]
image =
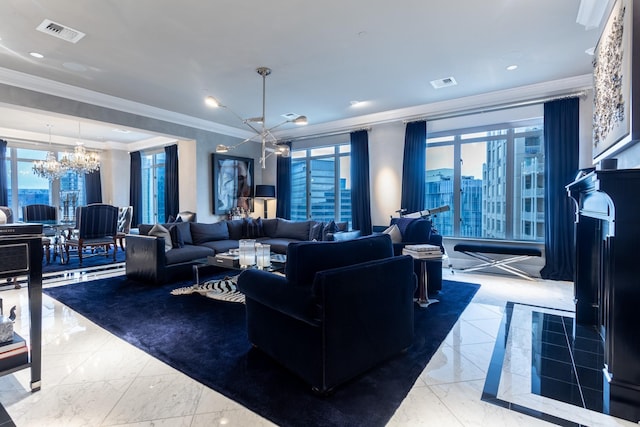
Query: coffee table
[{"x": 278, "y": 262}]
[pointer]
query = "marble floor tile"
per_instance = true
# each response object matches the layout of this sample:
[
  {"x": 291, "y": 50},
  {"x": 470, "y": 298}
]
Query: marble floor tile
[{"x": 92, "y": 378}]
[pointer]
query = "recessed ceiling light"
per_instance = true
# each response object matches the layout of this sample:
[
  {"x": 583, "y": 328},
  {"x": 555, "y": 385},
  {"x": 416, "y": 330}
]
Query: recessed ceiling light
[
  {"x": 355, "y": 103},
  {"x": 122, "y": 130},
  {"x": 36, "y": 55},
  {"x": 512, "y": 67},
  {"x": 591, "y": 51}
]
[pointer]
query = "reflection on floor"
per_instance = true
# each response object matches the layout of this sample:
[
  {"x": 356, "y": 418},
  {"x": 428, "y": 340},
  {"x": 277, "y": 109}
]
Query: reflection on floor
[{"x": 91, "y": 377}]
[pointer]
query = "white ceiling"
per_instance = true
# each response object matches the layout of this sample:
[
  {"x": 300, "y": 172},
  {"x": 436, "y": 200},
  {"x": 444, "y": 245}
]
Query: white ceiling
[{"x": 171, "y": 54}]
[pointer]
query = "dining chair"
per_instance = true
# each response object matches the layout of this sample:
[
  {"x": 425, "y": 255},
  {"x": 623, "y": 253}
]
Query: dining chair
[
  {"x": 96, "y": 228},
  {"x": 45, "y": 214}
]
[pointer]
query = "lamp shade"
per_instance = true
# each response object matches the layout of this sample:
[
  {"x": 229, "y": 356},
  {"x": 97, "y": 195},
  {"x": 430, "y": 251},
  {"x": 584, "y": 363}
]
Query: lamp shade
[{"x": 265, "y": 191}]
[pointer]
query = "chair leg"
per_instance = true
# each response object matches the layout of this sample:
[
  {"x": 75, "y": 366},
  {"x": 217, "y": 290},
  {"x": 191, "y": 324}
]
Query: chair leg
[{"x": 47, "y": 254}]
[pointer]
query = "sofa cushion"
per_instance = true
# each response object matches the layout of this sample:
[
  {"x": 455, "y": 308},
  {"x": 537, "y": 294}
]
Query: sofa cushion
[
  {"x": 187, "y": 254},
  {"x": 269, "y": 226},
  {"x": 394, "y": 232},
  {"x": 201, "y": 233},
  {"x": 342, "y": 226},
  {"x": 220, "y": 246},
  {"x": 329, "y": 228},
  {"x": 185, "y": 231},
  {"x": 176, "y": 236},
  {"x": 160, "y": 231},
  {"x": 235, "y": 228},
  {"x": 298, "y": 230},
  {"x": 252, "y": 228},
  {"x": 315, "y": 230}
]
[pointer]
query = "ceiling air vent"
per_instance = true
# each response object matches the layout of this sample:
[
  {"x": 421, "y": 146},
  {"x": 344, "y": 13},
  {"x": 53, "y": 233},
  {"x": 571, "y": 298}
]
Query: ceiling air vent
[
  {"x": 60, "y": 31},
  {"x": 440, "y": 83}
]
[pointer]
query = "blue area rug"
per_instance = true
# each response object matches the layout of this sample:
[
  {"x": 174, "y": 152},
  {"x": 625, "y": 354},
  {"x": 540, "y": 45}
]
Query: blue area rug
[
  {"x": 54, "y": 266},
  {"x": 206, "y": 339}
]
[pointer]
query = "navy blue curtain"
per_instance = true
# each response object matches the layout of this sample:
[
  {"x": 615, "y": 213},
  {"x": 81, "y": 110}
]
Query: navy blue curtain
[
  {"x": 283, "y": 186},
  {"x": 171, "y": 195},
  {"x": 360, "y": 197},
  {"x": 414, "y": 167},
  {"x": 93, "y": 187},
  {"x": 135, "y": 188},
  {"x": 561, "y": 127},
  {"x": 4, "y": 196}
]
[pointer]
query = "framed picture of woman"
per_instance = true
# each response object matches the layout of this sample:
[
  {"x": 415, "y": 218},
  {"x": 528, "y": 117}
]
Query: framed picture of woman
[{"x": 232, "y": 183}]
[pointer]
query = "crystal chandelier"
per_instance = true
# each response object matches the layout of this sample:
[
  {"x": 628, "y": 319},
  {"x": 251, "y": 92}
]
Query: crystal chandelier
[
  {"x": 80, "y": 161},
  {"x": 49, "y": 168},
  {"x": 263, "y": 134}
]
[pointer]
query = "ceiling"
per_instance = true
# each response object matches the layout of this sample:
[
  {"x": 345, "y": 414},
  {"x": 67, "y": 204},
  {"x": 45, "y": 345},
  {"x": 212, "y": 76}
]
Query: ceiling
[{"x": 169, "y": 55}]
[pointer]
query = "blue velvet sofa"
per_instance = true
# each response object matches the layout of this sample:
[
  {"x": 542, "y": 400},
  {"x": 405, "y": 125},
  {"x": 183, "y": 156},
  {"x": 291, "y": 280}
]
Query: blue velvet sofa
[
  {"x": 340, "y": 309},
  {"x": 157, "y": 258}
]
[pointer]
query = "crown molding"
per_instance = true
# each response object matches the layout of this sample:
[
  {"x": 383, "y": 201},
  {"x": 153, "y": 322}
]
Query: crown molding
[
  {"x": 63, "y": 90},
  {"x": 485, "y": 100}
]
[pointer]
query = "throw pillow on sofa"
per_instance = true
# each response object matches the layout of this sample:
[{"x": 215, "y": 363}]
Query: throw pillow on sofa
[
  {"x": 315, "y": 231},
  {"x": 298, "y": 230},
  {"x": 394, "y": 232},
  {"x": 176, "y": 236},
  {"x": 252, "y": 228},
  {"x": 202, "y": 233},
  {"x": 159, "y": 231},
  {"x": 329, "y": 228}
]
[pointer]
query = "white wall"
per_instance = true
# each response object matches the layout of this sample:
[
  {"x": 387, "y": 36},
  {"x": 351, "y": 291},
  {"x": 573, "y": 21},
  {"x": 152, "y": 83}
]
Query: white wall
[{"x": 115, "y": 166}]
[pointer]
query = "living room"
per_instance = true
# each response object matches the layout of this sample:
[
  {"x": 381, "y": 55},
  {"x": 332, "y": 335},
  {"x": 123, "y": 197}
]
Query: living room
[{"x": 197, "y": 138}]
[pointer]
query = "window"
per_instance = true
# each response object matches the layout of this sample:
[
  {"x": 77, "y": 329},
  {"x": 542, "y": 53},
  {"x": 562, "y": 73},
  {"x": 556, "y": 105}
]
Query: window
[
  {"x": 153, "y": 187},
  {"x": 492, "y": 179},
  {"x": 25, "y": 188},
  {"x": 321, "y": 183}
]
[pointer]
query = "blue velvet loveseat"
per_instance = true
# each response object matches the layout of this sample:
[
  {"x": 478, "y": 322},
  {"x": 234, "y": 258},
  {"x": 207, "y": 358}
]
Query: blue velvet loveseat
[{"x": 341, "y": 309}]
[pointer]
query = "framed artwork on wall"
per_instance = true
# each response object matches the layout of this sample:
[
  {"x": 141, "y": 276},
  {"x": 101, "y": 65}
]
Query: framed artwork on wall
[
  {"x": 232, "y": 182},
  {"x": 613, "y": 126}
]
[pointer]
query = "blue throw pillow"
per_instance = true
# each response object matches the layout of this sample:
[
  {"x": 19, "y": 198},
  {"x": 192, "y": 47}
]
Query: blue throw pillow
[
  {"x": 252, "y": 228},
  {"x": 176, "y": 237}
]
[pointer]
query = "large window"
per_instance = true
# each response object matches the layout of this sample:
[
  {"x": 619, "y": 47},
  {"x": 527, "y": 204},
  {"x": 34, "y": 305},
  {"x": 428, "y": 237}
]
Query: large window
[
  {"x": 153, "y": 187},
  {"x": 25, "y": 188},
  {"x": 321, "y": 183},
  {"x": 492, "y": 179}
]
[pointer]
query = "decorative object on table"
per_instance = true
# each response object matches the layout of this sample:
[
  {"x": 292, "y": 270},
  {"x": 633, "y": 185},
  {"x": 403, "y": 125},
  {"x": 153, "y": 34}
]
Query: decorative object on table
[
  {"x": 264, "y": 134},
  {"x": 247, "y": 252},
  {"x": 263, "y": 255},
  {"x": 232, "y": 183},
  {"x": 6, "y": 324},
  {"x": 614, "y": 98}
]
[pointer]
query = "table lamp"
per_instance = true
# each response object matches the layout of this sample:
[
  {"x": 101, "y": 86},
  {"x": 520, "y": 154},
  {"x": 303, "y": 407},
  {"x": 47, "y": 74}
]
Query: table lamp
[{"x": 265, "y": 192}]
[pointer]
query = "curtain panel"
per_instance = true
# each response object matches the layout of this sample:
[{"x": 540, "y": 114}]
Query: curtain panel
[
  {"x": 4, "y": 191},
  {"x": 360, "y": 195},
  {"x": 414, "y": 167},
  {"x": 561, "y": 144},
  {"x": 171, "y": 189},
  {"x": 135, "y": 188},
  {"x": 283, "y": 186},
  {"x": 93, "y": 187}
]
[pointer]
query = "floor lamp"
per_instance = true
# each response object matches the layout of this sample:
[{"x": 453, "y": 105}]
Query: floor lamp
[{"x": 265, "y": 192}]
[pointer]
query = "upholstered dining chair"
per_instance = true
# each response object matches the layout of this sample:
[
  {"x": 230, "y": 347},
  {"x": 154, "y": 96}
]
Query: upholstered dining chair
[
  {"x": 125, "y": 215},
  {"x": 96, "y": 227},
  {"x": 43, "y": 213}
]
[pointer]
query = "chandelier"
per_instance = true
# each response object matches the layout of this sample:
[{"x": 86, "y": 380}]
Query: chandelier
[
  {"x": 80, "y": 161},
  {"x": 49, "y": 168},
  {"x": 262, "y": 134}
]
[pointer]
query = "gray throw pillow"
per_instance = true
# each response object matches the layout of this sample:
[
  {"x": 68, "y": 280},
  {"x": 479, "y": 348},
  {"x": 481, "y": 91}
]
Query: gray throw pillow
[
  {"x": 394, "y": 232},
  {"x": 159, "y": 231},
  {"x": 329, "y": 228}
]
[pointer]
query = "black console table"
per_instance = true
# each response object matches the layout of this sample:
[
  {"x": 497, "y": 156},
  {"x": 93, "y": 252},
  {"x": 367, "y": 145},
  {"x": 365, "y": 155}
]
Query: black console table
[
  {"x": 21, "y": 254},
  {"x": 607, "y": 278}
]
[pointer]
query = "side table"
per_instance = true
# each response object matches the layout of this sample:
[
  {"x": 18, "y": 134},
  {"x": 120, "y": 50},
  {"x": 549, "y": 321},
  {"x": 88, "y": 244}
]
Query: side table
[{"x": 423, "y": 279}]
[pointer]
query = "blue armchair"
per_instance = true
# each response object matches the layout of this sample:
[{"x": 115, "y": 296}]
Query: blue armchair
[
  {"x": 96, "y": 227},
  {"x": 342, "y": 308},
  {"x": 417, "y": 231}
]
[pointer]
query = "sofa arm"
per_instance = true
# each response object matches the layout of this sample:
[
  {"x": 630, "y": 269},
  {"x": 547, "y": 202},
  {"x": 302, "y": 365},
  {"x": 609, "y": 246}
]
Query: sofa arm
[
  {"x": 275, "y": 291},
  {"x": 145, "y": 258}
]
